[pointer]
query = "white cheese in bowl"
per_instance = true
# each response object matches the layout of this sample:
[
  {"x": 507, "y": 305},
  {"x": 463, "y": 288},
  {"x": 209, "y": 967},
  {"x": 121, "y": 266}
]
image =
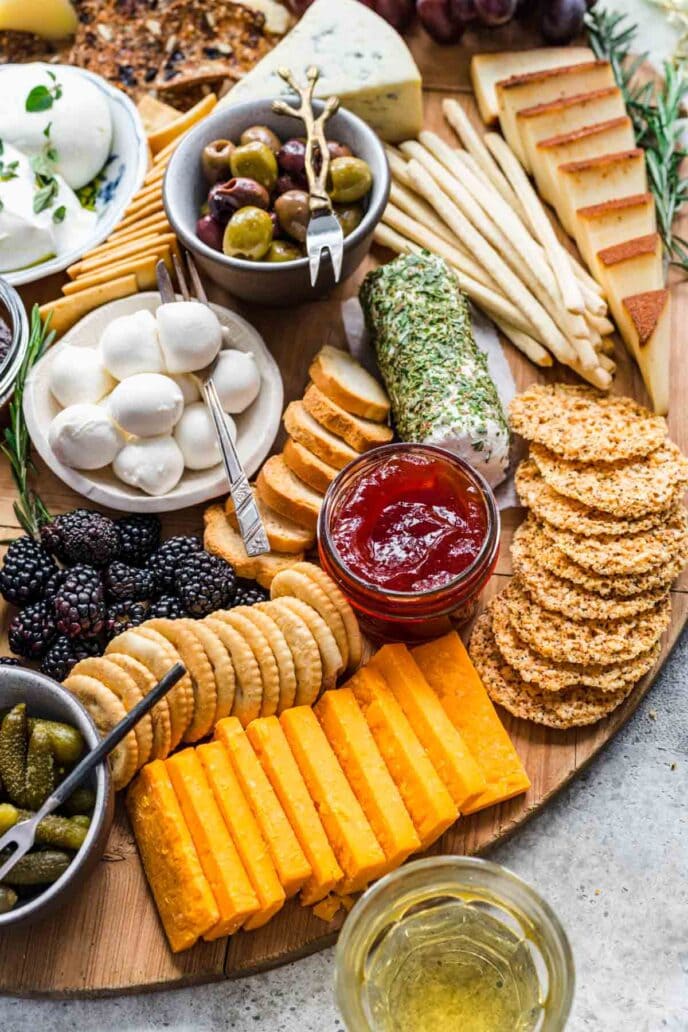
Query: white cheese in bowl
[
  {"x": 190, "y": 335},
  {"x": 153, "y": 464},
  {"x": 147, "y": 405},
  {"x": 84, "y": 437}
]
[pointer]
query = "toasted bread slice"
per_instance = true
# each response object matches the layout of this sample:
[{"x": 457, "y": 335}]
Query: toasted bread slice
[
  {"x": 279, "y": 488},
  {"x": 270, "y": 564},
  {"x": 307, "y": 466},
  {"x": 283, "y": 534},
  {"x": 222, "y": 539},
  {"x": 361, "y": 434},
  {"x": 307, "y": 431},
  {"x": 346, "y": 382}
]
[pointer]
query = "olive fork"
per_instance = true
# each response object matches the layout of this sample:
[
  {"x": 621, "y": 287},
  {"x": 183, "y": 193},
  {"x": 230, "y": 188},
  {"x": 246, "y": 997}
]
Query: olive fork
[{"x": 248, "y": 517}]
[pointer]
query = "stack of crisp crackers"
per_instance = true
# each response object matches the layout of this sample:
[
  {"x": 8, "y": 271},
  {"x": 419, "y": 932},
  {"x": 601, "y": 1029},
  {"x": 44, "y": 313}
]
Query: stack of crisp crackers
[{"x": 606, "y": 535}]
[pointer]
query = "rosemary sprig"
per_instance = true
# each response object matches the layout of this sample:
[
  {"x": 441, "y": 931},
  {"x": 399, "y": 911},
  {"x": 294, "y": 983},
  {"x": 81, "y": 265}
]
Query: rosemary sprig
[
  {"x": 29, "y": 509},
  {"x": 655, "y": 111}
]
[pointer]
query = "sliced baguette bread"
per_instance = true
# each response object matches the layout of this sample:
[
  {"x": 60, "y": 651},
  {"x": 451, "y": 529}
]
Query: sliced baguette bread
[
  {"x": 307, "y": 431},
  {"x": 307, "y": 466},
  {"x": 360, "y": 434},
  {"x": 279, "y": 488},
  {"x": 283, "y": 534},
  {"x": 222, "y": 539},
  {"x": 346, "y": 382},
  {"x": 269, "y": 565}
]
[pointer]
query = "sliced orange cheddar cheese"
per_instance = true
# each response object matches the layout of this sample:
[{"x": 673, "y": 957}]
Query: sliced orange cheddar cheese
[
  {"x": 359, "y": 853},
  {"x": 219, "y": 858},
  {"x": 450, "y": 756},
  {"x": 427, "y": 800},
  {"x": 350, "y": 737},
  {"x": 183, "y": 896},
  {"x": 448, "y": 669},
  {"x": 272, "y": 749},
  {"x": 245, "y": 832},
  {"x": 290, "y": 862}
]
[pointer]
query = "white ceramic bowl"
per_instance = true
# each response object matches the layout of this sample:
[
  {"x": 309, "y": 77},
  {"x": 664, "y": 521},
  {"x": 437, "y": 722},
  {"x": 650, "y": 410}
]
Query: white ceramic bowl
[
  {"x": 117, "y": 183},
  {"x": 256, "y": 427}
]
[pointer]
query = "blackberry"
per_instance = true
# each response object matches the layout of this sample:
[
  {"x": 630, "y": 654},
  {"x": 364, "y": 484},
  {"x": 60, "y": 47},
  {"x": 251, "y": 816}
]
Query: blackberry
[
  {"x": 25, "y": 572},
  {"x": 32, "y": 630},
  {"x": 248, "y": 593},
  {"x": 64, "y": 653},
  {"x": 81, "y": 536},
  {"x": 122, "y": 615},
  {"x": 54, "y": 584},
  {"x": 205, "y": 583},
  {"x": 9, "y": 661},
  {"x": 169, "y": 557},
  {"x": 80, "y": 603},
  {"x": 122, "y": 581},
  {"x": 139, "y": 536},
  {"x": 167, "y": 607}
]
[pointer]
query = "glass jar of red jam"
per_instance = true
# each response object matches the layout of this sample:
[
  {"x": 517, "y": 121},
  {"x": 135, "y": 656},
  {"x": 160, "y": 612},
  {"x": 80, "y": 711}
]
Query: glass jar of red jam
[{"x": 410, "y": 533}]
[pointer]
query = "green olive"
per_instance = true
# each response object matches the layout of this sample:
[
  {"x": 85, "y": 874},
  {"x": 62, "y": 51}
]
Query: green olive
[
  {"x": 216, "y": 160},
  {"x": 255, "y": 161},
  {"x": 293, "y": 211},
  {"x": 349, "y": 216},
  {"x": 248, "y": 234},
  {"x": 283, "y": 251},
  {"x": 263, "y": 135},
  {"x": 350, "y": 180}
]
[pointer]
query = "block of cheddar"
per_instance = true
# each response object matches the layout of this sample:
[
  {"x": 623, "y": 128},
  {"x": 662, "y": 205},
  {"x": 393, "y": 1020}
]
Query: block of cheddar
[
  {"x": 427, "y": 800},
  {"x": 447, "y": 667},
  {"x": 184, "y": 899},
  {"x": 272, "y": 749},
  {"x": 289, "y": 859},
  {"x": 450, "y": 756},
  {"x": 219, "y": 858},
  {"x": 359, "y": 853},
  {"x": 245, "y": 832},
  {"x": 354, "y": 746}
]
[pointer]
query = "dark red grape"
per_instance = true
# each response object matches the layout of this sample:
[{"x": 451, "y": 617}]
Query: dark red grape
[
  {"x": 463, "y": 10},
  {"x": 210, "y": 232},
  {"x": 562, "y": 20},
  {"x": 495, "y": 12},
  {"x": 397, "y": 12},
  {"x": 291, "y": 157},
  {"x": 438, "y": 20}
]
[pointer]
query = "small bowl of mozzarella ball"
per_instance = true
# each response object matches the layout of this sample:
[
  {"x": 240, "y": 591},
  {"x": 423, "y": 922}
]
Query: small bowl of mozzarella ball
[{"x": 116, "y": 408}]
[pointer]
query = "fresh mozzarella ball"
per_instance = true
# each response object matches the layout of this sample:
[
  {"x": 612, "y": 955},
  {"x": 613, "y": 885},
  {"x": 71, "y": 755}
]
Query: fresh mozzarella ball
[
  {"x": 195, "y": 435},
  {"x": 129, "y": 345},
  {"x": 153, "y": 464},
  {"x": 190, "y": 335},
  {"x": 147, "y": 405},
  {"x": 188, "y": 386},
  {"x": 77, "y": 375},
  {"x": 84, "y": 437},
  {"x": 236, "y": 380}
]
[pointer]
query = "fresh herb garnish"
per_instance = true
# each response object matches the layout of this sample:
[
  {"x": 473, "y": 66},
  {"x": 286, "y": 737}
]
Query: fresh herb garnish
[
  {"x": 43, "y": 167},
  {"x": 59, "y": 214},
  {"x": 9, "y": 171},
  {"x": 42, "y": 98},
  {"x": 45, "y": 196}
]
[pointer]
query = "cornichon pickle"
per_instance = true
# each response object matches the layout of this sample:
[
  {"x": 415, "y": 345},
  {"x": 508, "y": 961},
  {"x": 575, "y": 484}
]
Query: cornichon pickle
[
  {"x": 8, "y": 898},
  {"x": 63, "y": 832},
  {"x": 82, "y": 819},
  {"x": 81, "y": 801},
  {"x": 68, "y": 743},
  {"x": 39, "y": 868},
  {"x": 13, "y": 753},
  {"x": 9, "y": 815},
  {"x": 40, "y": 768}
]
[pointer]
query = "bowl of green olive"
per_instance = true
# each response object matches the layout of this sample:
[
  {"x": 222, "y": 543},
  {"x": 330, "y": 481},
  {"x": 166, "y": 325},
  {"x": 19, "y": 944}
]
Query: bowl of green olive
[
  {"x": 236, "y": 194},
  {"x": 44, "y": 733}
]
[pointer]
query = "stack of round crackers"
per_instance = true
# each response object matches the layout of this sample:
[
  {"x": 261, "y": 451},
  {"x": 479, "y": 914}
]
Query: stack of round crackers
[
  {"x": 606, "y": 535},
  {"x": 248, "y": 662}
]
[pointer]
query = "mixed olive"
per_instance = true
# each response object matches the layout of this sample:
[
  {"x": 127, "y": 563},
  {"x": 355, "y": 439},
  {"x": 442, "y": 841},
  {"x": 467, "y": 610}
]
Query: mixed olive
[{"x": 258, "y": 205}]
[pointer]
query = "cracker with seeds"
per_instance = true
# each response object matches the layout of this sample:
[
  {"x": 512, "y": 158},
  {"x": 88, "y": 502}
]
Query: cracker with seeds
[
  {"x": 199, "y": 669},
  {"x": 303, "y": 648},
  {"x": 123, "y": 685},
  {"x": 106, "y": 711},
  {"x": 248, "y": 690},
  {"x": 160, "y": 714}
]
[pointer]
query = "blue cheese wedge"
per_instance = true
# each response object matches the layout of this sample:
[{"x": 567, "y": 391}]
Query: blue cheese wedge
[{"x": 362, "y": 60}]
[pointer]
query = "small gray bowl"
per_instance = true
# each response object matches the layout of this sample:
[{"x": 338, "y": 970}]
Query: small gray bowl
[
  {"x": 45, "y": 698},
  {"x": 266, "y": 283}
]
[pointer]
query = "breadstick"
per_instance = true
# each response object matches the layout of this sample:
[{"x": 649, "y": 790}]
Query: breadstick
[
  {"x": 530, "y": 348},
  {"x": 422, "y": 212},
  {"x": 397, "y": 165},
  {"x": 603, "y": 325}
]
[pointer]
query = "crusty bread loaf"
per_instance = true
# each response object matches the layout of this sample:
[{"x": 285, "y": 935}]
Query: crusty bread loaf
[
  {"x": 283, "y": 491},
  {"x": 346, "y": 382},
  {"x": 308, "y": 432},
  {"x": 360, "y": 434},
  {"x": 222, "y": 539},
  {"x": 308, "y": 467},
  {"x": 283, "y": 534}
]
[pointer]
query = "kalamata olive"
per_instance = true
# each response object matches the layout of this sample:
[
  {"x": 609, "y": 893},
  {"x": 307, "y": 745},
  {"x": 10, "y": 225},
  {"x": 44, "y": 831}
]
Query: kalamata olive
[
  {"x": 209, "y": 230},
  {"x": 215, "y": 160},
  {"x": 286, "y": 182},
  {"x": 242, "y": 191},
  {"x": 255, "y": 161},
  {"x": 276, "y": 228},
  {"x": 338, "y": 150},
  {"x": 291, "y": 156},
  {"x": 293, "y": 213},
  {"x": 350, "y": 180},
  {"x": 263, "y": 134},
  {"x": 283, "y": 251},
  {"x": 349, "y": 216},
  {"x": 221, "y": 204},
  {"x": 248, "y": 234}
]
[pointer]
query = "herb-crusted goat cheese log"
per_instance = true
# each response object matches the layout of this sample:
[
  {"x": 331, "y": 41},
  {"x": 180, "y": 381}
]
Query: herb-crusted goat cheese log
[{"x": 436, "y": 376}]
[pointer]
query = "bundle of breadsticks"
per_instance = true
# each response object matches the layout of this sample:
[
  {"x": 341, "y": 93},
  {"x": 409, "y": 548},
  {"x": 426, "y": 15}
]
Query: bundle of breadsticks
[{"x": 475, "y": 207}]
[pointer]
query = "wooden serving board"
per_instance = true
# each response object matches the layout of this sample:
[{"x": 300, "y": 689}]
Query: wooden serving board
[{"x": 108, "y": 939}]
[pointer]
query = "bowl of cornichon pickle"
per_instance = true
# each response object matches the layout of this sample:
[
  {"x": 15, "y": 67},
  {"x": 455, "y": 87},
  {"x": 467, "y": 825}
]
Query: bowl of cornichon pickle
[{"x": 44, "y": 732}]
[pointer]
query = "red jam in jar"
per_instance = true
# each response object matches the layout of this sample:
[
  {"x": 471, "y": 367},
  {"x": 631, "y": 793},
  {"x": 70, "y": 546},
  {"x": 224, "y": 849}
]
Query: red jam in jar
[{"x": 411, "y": 535}]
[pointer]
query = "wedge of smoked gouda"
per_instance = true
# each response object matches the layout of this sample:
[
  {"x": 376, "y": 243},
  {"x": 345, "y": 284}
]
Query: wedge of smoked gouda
[
  {"x": 350, "y": 737},
  {"x": 245, "y": 832},
  {"x": 448, "y": 670},
  {"x": 351, "y": 837},
  {"x": 219, "y": 858},
  {"x": 272, "y": 749},
  {"x": 447, "y": 750},
  {"x": 290, "y": 862},
  {"x": 184, "y": 899},
  {"x": 427, "y": 800}
]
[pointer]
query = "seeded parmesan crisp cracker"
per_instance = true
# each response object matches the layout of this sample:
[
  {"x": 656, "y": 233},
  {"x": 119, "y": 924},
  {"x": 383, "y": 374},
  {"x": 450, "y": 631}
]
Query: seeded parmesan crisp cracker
[
  {"x": 571, "y": 707},
  {"x": 581, "y": 423}
]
